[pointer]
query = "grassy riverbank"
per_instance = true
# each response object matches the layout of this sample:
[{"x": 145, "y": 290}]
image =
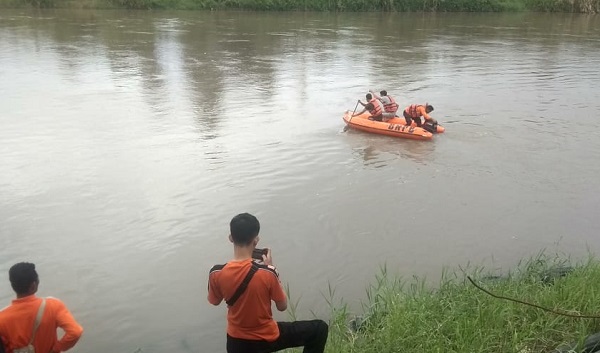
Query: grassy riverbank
[
  {"x": 457, "y": 317},
  {"x": 584, "y": 6}
]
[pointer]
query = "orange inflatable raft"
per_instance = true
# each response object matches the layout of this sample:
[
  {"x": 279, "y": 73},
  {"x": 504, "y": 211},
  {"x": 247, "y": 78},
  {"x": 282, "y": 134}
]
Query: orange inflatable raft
[
  {"x": 402, "y": 121},
  {"x": 394, "y": 127}
]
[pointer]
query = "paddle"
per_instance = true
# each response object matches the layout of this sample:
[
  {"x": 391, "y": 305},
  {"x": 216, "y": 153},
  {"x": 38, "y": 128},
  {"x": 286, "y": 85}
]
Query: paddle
[
  {"x": 350, "y": 118},
  {"x": 356, "y": 106}
]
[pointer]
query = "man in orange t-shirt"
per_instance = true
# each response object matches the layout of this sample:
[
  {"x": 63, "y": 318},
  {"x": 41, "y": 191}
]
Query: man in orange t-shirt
[
  {"x": 17, "y": 320},
  {"x": 416, "y": 111},
  {"x": 250, "y": 324}
]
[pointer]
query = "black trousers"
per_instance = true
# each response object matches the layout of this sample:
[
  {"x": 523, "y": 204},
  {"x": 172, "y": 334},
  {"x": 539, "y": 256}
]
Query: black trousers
[
  {"x": 310, "y": 334},
  {"x": 409, "y": 119}
]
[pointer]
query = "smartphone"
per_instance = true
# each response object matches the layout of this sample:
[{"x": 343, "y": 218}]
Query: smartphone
[{"x": 258, "y": 253}]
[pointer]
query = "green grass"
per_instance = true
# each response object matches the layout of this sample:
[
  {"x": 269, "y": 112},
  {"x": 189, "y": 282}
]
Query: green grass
[
  {"x": 588, "y": 6},
  {"x": 454, "y": 316}
]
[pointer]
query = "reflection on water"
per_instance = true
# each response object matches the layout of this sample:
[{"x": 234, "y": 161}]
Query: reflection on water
[
  {"x": 129, "y": 139},
  {"x": 378, "y": 151}
]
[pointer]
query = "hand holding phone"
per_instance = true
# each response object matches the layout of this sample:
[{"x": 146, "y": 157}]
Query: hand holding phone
[
  {"x": 263, "y": 255},
  {"x": 258, "y": 253}
]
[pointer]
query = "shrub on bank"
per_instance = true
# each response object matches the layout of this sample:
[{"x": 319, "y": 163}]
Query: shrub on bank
[{"x": 409, "y": 316}]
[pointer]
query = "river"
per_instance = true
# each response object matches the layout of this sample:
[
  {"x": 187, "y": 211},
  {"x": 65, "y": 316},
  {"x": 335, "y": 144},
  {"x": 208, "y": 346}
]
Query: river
[{"x": 128, "y": 140}]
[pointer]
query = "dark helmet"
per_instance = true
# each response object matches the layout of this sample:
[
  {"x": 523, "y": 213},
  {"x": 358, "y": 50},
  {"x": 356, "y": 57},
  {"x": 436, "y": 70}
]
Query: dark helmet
[
  {"x": 383, "y": 93},
  {"x": 369, "y": 96}
]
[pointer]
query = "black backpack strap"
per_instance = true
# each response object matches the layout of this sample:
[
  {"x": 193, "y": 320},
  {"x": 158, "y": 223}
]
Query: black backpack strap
[{"x": 242, "y": 288}]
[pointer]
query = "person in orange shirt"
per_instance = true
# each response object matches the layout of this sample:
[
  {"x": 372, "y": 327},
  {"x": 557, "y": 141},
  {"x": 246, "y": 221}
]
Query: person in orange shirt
[
  {"x": 390, "y": 107},
  {"x": 17, "y": 320},
  {"x": 416, "y": 111},
  {"x": 248, "y": 288},
  {"x": 373, "y": 107}
]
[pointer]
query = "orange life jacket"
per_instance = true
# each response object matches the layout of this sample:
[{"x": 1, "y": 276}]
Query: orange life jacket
[
  {"x": 413, "y": 111},
  {"x": 376, "y": 107},
  {"x": 391, "y": 107}
]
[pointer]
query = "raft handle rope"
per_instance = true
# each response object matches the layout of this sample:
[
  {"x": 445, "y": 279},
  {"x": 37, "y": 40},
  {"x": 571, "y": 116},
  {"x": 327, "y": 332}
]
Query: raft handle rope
[{"x": 561, "y": 312}]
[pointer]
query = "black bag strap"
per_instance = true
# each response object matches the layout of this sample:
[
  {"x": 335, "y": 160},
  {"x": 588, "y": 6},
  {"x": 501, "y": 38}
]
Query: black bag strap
[{"x": 242, "y": 288}]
